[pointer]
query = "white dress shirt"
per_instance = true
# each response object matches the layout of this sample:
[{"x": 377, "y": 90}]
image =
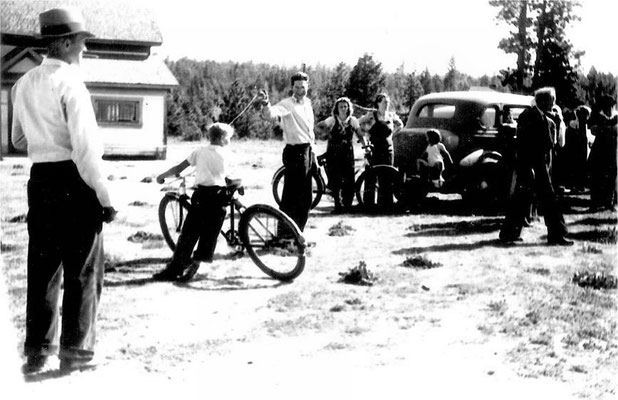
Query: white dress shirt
[
  {"x": 296, "y": 119},
  {"x": 54, "y": 120}
]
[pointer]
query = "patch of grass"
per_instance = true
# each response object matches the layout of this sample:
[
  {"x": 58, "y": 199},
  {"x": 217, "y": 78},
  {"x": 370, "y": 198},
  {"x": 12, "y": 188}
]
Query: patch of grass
[
  {"x": 336, "y": 346},
  {"x": 498, "y": 306},
  {"x": 296, "y": 325},
  {"x": 419, "y": 261},
  {"x": 285, "y": 302},
  {"x": 340, "y": 229},
  {"x": 358, "y": 275},
  {"x": 142, "y": 236},
  {"x": 595, "y": 280},
  {"x": 7, "y": 247},
  {"x": 540, "y": 271},
  {"x": 603, "y": 236},
  {"x": 18, "y": 218},
  {"x": 587, "y": 248}
]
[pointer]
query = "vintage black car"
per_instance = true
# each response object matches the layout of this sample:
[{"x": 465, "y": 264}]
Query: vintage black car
[{"x": 477, "y": 128}]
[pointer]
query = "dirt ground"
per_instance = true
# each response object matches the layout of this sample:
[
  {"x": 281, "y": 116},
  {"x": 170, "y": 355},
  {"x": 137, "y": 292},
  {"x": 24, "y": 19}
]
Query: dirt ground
[{"x": 451, "y": 314}]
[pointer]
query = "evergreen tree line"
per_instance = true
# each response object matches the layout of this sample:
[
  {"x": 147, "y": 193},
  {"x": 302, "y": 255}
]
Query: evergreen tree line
[{"x": 212, "y": 91}]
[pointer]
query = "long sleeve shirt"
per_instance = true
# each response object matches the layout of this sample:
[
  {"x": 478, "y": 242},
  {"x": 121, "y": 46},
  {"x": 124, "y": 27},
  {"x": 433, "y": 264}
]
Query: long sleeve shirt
[
  {"x": 54, "y": 120},
  {"x": 297, "y": 119}
]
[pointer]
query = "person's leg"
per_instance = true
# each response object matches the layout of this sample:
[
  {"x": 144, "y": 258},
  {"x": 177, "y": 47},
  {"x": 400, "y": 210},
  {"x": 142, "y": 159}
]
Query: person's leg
[
  {"x": 386, "y": 185},
  {"x": 189, "y": 236},
  {"x": 213, "y": 205},
  {"x": 44, "y": 275},
  {"x": 335, "y": 181},
  {"x": 347, "y": 182},
  {"x": 517, "y": 210},
  {"x": 297, "y": 188},
  {"x": 552, "y": 214},
  {"x": 83, "y": 266}
]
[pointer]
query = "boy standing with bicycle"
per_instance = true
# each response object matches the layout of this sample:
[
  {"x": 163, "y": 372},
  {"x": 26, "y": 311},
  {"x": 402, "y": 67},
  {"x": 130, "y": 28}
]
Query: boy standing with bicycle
[{"x": 208, "y": 205}]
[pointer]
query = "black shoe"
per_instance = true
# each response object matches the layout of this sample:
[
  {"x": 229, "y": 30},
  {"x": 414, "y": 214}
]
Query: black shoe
[
  {"x": 510, "y": 240},
  {"x": 190, "y": 272},
  {"x": 34, "y": 364},
  {"x": 561, "y": 241},
  {"x": 68, "y": 365},
  {"x": 167, "y": 275}
]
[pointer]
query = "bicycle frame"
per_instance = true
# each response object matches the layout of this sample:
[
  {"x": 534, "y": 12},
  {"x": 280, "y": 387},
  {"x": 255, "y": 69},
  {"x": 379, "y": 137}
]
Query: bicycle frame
[{"x": 234, "y": 204}]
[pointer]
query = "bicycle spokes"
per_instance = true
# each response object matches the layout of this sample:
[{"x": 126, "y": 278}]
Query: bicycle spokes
[{"x": 273, "y": 242}]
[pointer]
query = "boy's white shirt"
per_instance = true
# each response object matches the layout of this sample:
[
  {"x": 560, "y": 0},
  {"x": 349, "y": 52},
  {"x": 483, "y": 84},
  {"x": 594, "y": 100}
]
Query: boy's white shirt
[
  {"x": 433, "y": 154},
  {"x": 211, "y": 165}
]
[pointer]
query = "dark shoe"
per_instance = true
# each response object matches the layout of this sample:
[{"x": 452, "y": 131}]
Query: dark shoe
[
  {"x": 34, "y": 364},
  {"x": 190, "y": 272},
  {"x": 510, "y": 240},
  {"x": 167, "y": 275},
  {"x": 68, "y": 365},
  {"x": 560, "y": 242}
]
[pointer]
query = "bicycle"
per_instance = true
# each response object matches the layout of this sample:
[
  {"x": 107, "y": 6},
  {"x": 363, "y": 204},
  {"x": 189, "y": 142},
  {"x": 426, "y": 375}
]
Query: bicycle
[
  {"x": 318, "y": 183},
  {"x": 271, "y": 238},
  {"x": 374, "y": 173}
]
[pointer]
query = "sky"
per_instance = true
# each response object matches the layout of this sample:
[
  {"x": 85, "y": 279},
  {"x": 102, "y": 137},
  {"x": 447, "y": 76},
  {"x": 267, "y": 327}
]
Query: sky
[{"x": 418, "y": 34}]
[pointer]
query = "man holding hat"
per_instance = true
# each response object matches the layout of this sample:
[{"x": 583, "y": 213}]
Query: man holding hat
[{"x": 68, "y": 200}]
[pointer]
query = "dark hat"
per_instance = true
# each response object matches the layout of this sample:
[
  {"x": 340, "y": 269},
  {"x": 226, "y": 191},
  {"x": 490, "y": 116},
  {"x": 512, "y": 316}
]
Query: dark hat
[{"x": 59, "y": 22}]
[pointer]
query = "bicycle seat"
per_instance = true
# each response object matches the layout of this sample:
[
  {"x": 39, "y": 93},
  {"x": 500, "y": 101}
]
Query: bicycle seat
[{"x": 234, "y": 185}]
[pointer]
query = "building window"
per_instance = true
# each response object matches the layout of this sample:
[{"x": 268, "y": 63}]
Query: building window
[{"x": 118, "y": 112}]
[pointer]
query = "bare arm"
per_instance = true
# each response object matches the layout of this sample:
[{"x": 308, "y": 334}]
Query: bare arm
[
  {"x": 397, "y": 122},
  {"x": 445, "y": 154},
  {"x": 175, "y": 170}
]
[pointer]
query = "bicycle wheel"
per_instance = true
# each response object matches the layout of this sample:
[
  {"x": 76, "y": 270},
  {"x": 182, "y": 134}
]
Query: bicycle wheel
[
  {"x": 368, "y": 189},
  {"x": 317, "y": 186},
  {"x": 273, "y": 241},
  {"x": 172, "y": 214}
]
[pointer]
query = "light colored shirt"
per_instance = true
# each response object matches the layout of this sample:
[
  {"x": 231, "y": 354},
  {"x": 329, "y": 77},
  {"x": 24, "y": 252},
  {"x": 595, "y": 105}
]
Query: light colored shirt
[
  {"x": 297, "y": 119},
  {"x": 210, "y": 165},
  {"x": 54, "y": 120},
  {"x": 434, "y": 153}
]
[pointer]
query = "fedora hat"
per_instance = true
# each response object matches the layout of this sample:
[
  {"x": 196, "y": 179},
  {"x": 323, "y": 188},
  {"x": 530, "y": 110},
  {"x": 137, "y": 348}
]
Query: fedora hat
[{"x": 60, "y": 22}]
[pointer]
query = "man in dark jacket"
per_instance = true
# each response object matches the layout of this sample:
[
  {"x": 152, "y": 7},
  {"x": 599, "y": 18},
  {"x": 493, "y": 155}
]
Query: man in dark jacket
[{"x": 534, "y": 144}]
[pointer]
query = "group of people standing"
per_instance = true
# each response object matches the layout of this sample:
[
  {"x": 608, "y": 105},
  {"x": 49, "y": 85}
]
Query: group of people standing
[
  {"x": 541, "y": 136},
  {"x": 588, "y": 158},
  {"x": 295, "y": 115}
]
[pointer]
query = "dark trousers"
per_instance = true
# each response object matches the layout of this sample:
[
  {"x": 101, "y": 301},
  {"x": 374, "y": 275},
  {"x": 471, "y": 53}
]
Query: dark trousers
[
  {"x": 64, "y": 228},
  {"x": 297, "y": 190},
  {"x": 527, "y": 186},
  {"x": 384, "y": 184},
  {"x": 340, "y": 171},
  {"x": 203, "y": 223}
]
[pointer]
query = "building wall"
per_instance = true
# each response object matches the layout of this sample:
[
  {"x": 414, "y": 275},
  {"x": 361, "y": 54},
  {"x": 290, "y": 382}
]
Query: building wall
[{"x": 147, "y": 140}]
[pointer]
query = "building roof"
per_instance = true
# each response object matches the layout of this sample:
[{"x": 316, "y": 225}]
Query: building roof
[
  {"x": 150, "y": 72},
  {"x": 117, "y": 20}
]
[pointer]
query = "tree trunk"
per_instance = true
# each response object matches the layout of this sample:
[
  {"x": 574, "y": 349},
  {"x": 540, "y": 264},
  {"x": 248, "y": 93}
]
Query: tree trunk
[{"x": 521, "y": 55}]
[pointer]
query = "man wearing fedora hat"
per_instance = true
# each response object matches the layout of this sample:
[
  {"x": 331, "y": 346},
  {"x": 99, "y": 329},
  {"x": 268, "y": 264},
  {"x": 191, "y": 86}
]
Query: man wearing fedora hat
[{"x": 68, "y": 200}]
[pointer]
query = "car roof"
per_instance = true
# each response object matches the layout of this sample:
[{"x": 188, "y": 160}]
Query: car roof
[{"x": 480, "y": 96}]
